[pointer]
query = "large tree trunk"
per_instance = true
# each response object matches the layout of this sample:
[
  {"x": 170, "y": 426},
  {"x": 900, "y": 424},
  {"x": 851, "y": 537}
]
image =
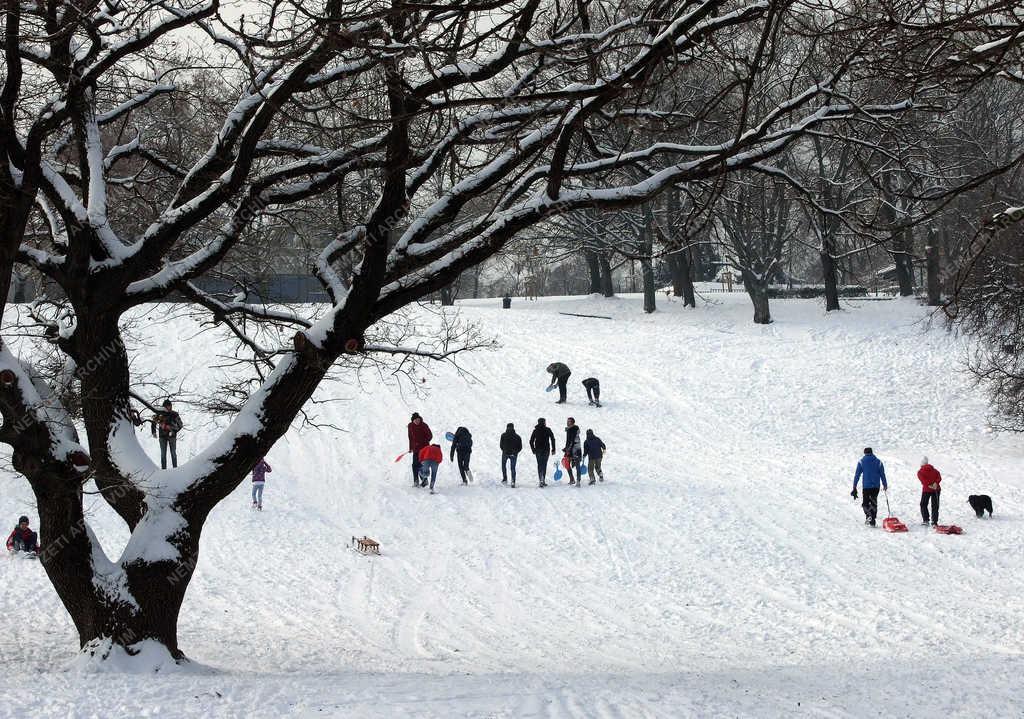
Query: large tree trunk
[
  {"x": 594, "y": 267},
  {"x": 934, "y": 278},
  {"x": 647, "y": 263},
  {"x": 607, "y": 288},
  {"x": 448, "y": 295},
  {"x": 902, "y": 255},
  {"x": 828, "y": 269},
  {"x": 757, "y": 289}
]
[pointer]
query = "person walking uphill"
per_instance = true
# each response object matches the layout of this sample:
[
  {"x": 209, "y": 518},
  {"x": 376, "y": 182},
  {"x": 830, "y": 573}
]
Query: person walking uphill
[
  {"x": 930, "y": 490},
  {"x": 872, "y": 470},
  {"x": 559, "y": 376},
  {"x": 430, "y": 458},
  {"x": 259, "y": 478},
  {"x": 419, "y": 437},
  {"x": 542, "y": 444},
  {"x": 593, "y": 449},
  {"x": 462, "y": 447},
  {"x": 511, "y": 445},
  {"x": 573, "y": 450},
  {"x": 167, "y": 423}
]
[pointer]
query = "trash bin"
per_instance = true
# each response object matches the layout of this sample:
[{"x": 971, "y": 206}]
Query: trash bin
[{"x": 506, "y": 303}]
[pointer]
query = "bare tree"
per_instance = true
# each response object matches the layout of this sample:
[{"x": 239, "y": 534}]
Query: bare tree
[{"x": 511, "y": 104}]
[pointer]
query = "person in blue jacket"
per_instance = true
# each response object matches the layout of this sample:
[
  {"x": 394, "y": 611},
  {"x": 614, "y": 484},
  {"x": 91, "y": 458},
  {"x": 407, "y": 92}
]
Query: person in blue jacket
[{"x": 872, "y": 470}]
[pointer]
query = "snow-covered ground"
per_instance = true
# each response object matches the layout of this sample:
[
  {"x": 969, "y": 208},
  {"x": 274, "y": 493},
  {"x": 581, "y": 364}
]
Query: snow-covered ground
[{"x": 722, "y": 570}]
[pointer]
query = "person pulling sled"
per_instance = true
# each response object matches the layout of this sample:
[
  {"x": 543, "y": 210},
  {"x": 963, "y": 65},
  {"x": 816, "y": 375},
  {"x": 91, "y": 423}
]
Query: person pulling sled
[
  {"x": 930, "y": 488},
  {"x": 873, "y": 472}
]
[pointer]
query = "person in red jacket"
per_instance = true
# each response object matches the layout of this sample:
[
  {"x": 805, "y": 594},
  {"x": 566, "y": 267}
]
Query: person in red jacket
[
  {"x": 419, "y": 437},
  {"x": 930, "y": 481},
  {"x": 430, "y": 457},
  {"x": 22, "y": 539}
]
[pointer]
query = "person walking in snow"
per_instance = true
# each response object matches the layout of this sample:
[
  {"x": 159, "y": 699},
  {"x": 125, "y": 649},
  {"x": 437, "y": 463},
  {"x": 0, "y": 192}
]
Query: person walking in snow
[
  {"x": 462, "y": 447},
  {"x": 573, "y": 449},
  {"x": 559, "y": 376},
  {"x": 430, "y": 458},
  {"x": 511, "y": 445},
  {"x": 23, "y": 539},
  {"x": 873, "y": 471},
  {"x": 930, "y": 489},
  {"x": 419, "y": 437},
  {"x": 259, "y": 478},
  {"x": 593, "y": 449},
  {"x": 593, "y": 388},
  {"x": 542, "y": 444},
  {"x": 167, "y": 423}
]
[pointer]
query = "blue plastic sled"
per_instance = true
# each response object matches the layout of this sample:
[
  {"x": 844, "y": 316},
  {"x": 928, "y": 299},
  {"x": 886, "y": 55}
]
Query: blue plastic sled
[
  {"x": 449, "y": 436},
  {"x": 583, "y": 469},
  {"x": 558, "y": 475},
  {"x": 550, "y": 388}
]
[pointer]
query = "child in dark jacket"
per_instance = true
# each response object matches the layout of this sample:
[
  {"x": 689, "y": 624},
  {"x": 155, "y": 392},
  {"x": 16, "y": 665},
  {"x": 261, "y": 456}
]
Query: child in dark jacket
[
  {"x": 462, "y": 447},
  {"x": 593, "y": 449}
]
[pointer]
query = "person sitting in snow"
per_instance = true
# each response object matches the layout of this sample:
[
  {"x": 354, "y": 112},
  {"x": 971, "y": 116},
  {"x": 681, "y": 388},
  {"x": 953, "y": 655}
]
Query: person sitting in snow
[
  {"x": 23, "y": 539},
  {"x": 430, "y": 457},
  {"x": 873, "y": 471},
  {"x": 593, "y": 388},
  {"x": 259, "y": 478},
  {"x": 462, "y": 447},
  {"x": 559, "y": 376},
  {"x": 593, "y": 450},
  {"x": 930, "y": 480}
]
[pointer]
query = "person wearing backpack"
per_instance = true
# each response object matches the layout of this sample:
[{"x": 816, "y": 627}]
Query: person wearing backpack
[
  {"x": 542, "y": 444},
  {"x": 511, "y": 445},
  {"x": 573, "y": 451},
  {"x": 593, "y": 450},
  {"x": 167, "y": 423},
  {"x": 462, "y": 448}
]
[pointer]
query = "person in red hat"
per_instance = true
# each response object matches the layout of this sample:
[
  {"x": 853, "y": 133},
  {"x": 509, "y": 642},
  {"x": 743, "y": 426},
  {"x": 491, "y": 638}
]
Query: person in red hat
[{"x": 930, "y": 488}]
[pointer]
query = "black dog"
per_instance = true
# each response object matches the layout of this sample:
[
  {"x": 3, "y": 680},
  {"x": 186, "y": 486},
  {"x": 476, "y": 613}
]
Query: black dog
[{"x": 979, "y": 503}]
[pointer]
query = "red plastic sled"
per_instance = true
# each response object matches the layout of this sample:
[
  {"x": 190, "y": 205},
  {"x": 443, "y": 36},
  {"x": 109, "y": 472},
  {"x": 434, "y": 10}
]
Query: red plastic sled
[
  {"x": 891, "y": 524},
  {"x": 948, "y": 529},
  {"x": 565, "y": 461}
]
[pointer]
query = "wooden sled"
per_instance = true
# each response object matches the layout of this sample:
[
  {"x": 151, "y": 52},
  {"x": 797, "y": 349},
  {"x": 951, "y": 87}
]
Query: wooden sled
[{"x": 366, "y": 545}]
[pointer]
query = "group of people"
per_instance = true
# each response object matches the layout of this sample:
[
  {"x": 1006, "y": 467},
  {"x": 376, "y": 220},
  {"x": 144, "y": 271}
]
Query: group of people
[
  {"x": 871, "y": 473},
  {"x": 427, "y": 455},
  {"x": 560, "y": 374}
]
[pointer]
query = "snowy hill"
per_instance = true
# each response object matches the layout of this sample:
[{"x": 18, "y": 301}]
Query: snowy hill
[{"x": 722, "y": 570}]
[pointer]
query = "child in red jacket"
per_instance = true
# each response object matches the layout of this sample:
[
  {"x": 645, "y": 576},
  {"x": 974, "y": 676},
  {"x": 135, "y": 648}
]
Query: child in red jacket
[
  {"x": 23, "y": 539},
  {"x": 930, "y": 481},
  {"x": 430, "y": 457}
]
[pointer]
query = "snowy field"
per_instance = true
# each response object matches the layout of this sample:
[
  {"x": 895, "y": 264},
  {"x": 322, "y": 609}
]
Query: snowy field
[{"x": 721, "y": 570}]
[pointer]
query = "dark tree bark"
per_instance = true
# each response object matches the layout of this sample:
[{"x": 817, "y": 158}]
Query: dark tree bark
[
  {"x": 594, "y": 267},
  {"x": 828, "y": 270},
  {"x": 757, "y": 289},
  {"x": 903, "y": 257},
  {"x": 934, "y": 276},
  {"x": 607, "y": 287}
]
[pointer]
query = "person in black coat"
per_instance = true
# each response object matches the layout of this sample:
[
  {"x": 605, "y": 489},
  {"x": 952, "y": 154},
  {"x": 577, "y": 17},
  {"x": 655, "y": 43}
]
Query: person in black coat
[
  {"x": 542, "y": 444},
  {"x": 573, "y": 450},
  {"x": 511, "y": 445},
  {"x": 593, "y": 388},
  {"x": 559, "y": 376},
  {"x": 462, "y": 447}
]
